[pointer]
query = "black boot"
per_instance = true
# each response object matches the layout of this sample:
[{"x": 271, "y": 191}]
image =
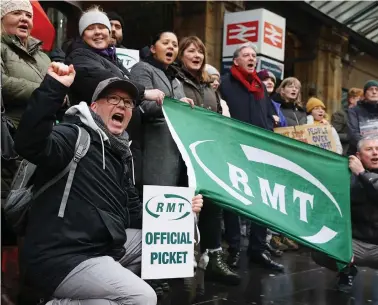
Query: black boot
[
  {"x": 346, "y": 278},
  {"x": 217, "y": 270},
  {"x": 275, "y": 252},
  {"x": 264, "y": 259},
  {"x": 233, "y": 258},
  {"x": 163, "y": 284}
]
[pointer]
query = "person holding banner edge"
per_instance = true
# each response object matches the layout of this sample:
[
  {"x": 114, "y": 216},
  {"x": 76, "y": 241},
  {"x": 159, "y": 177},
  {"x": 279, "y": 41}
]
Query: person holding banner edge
[
  {"x": 78, "y": 253},
  {"x": 364, "y": 213}
]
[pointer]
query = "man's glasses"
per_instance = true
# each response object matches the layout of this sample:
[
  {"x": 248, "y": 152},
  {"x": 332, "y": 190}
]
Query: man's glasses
[{"x": 115, "y": 100}]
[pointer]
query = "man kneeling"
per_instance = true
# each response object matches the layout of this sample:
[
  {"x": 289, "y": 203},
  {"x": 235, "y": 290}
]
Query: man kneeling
[
  {"x": 82, "y": 256},
  {"x": 364, "y": 212}
]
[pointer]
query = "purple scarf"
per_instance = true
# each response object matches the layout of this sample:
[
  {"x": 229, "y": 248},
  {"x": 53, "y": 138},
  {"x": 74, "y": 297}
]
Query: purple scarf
[{"x": 109, "y": 52}]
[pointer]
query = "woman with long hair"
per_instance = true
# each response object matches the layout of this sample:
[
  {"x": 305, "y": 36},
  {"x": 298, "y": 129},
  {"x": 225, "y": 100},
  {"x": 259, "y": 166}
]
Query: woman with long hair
[
  {"x": 198, "y": 86},
  {"x": 289, "y": 96}
]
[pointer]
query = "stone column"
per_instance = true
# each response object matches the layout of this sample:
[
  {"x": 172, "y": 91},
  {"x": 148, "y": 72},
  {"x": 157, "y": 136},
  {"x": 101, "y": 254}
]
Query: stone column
[{"x": 323, "y": 74}]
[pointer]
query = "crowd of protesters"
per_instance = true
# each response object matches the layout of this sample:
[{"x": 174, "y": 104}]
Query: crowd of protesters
[{"x": 46, "y": 102}]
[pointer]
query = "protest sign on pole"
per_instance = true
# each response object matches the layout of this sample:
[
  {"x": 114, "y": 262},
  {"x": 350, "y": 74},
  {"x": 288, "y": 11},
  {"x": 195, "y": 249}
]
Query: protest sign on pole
[
  {"x": 315, "y": 134},
  {"x": 168, "y": 232}
]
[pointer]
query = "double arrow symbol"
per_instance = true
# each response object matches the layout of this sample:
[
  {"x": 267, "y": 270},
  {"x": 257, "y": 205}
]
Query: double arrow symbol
[
  {"x": 273, "y": 35},
  {"x": 242, "y": 32}
]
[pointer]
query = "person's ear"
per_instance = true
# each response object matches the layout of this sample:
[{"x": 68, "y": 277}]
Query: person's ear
[
  {"x": 153, "y": 49},
  {"x": 93, "y": 106},
  {"x": 358, "y": 155}
]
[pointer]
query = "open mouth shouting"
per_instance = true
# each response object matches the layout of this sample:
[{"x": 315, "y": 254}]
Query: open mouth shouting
[
  {"x": 24, "y": 28},
  {"x": 293, "y": 94},
  {"x": 196, "y": 63},
  {"x": 169, "y": 57},
  {"x": 117, "y": 118},
  {"x": 250, "y": 67}
]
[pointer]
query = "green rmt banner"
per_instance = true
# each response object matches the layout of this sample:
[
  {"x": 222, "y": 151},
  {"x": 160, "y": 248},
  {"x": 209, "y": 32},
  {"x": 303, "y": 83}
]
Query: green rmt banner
[{"x": 291, "y": 187}]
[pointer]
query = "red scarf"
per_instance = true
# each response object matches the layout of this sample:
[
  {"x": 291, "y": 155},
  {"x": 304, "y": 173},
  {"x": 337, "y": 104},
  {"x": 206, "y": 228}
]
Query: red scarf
[{"x": 250, "y": 80}]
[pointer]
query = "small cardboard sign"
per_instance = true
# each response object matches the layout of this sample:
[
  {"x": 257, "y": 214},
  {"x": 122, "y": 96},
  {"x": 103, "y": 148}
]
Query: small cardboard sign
[
  {"x": 168, "y": 232},
  {"x": 369, "y": 128},
  {"x": 315, "y": 134}
]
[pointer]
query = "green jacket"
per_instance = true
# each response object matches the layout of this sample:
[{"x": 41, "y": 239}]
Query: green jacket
[{"x": 22, "y": 71}]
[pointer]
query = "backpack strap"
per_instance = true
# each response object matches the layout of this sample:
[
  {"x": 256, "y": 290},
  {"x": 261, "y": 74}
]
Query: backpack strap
[
  {"x": 63, "y": 172},
  {"x": 82, "y": 146}
]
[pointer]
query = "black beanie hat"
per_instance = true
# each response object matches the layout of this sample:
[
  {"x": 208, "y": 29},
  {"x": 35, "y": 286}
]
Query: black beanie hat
[{"x": 115, "y": 16}]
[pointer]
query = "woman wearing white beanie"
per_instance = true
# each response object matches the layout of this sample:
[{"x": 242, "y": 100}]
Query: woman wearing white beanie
[
  {"x": 215, "y": 76},
  {"x": 23, "y": 65},
  {"x": 92, "y": 56}
]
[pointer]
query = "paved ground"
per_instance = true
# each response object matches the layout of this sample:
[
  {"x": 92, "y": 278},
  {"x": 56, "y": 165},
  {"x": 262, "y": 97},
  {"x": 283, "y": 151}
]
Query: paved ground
[{"x": 303, "y": 283}]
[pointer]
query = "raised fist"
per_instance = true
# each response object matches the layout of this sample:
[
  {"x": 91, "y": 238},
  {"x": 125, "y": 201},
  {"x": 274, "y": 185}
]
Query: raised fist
[{"x": 62, "y": 73}]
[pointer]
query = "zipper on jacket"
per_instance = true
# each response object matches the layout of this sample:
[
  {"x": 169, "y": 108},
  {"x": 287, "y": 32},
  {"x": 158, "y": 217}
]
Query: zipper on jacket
[{"x": 296, "y": 118}]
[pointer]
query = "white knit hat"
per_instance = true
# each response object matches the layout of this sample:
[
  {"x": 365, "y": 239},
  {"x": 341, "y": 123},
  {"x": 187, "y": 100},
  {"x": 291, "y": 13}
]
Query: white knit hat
[
  {"x": 211, "y": 70},
  {"x": 8, "y": 6},
  {"x": 93, "y": 17}
]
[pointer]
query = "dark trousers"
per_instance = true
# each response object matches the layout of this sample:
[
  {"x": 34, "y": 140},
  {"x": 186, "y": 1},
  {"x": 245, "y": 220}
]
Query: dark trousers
[
  {"x": 257, "y": 238},
  {"x": 232, "y": 230},
  {"x": 209, "y": 225}
]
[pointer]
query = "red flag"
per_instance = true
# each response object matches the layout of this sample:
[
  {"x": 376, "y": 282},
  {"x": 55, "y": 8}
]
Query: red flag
[{"x": 42, "y": 29}]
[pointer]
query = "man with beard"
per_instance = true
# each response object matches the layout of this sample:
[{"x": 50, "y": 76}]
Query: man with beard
[
  {"x": 249, "y": 102},
  {"x": 117, "y": 24}
]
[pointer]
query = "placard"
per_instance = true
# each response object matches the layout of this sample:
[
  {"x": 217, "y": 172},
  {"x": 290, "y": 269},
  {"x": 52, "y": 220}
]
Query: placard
[
  {"x": 168, "y": 232},
  {"x": 129, "y": 57},
  {"x": 314, "y": 134},
  {"x": 369, "y": 127}
]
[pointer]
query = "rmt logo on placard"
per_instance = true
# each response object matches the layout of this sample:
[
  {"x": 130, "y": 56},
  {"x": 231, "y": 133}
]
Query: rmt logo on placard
[
  {"x": 238, "y": 33},
  {"x": 273, "y": 35},
  {"x": 168, "y": 207}
]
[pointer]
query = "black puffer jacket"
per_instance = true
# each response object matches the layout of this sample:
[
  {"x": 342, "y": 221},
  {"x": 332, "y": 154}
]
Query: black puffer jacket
[
  {"x": 88, "y": 65},
  {"x": 101, "y": 205},
  {"x": 364, "y": 207},
  {"x": 364, "y": 114},
  {"x": 294, "y": 114}
]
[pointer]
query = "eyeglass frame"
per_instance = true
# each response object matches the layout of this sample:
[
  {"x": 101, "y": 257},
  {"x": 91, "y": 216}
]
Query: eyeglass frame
[{"x": 129, "y": 106}]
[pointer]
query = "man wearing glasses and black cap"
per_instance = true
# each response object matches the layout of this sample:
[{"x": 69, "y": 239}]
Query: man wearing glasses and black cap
[{"x": 89, "y": 253}]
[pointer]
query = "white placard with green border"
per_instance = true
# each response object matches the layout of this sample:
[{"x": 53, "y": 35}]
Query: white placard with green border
[
  {"x": 168, "y": 232},
  {"x": 129, "y": 57}
]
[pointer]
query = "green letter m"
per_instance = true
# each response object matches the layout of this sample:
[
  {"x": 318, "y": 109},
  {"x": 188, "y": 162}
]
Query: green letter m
[{"x": 171, "y": 207}]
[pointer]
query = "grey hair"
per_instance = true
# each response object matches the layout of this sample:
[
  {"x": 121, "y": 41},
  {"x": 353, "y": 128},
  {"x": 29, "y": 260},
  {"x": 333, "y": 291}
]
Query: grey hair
[
  {"x": 243, "y": 46},
  {"x": 363, "y": 140}
]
